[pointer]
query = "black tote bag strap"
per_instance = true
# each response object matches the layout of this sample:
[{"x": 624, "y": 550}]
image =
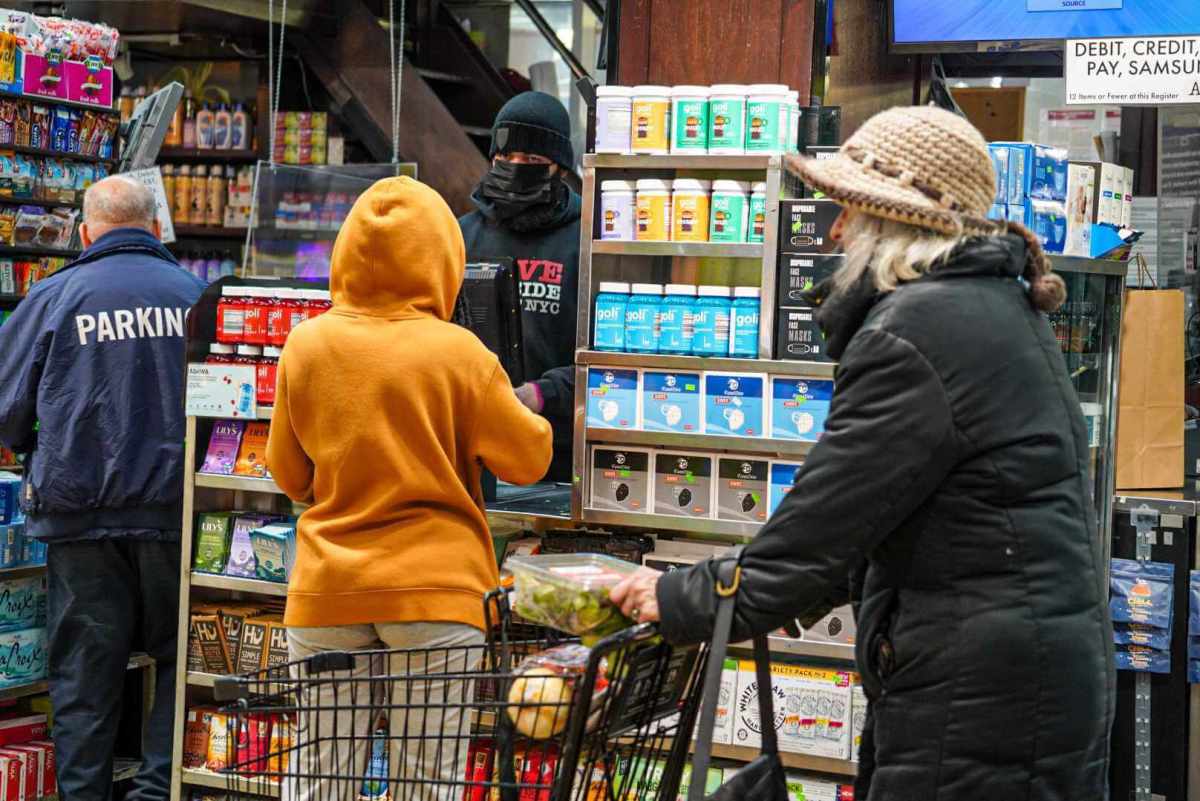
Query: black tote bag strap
[
  {"x": 766, "y": 704},
  {"x": 729, "y": 573}
]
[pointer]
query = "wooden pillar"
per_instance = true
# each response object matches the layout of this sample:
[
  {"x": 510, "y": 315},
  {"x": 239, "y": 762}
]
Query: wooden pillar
[
  {"x": 716, "y": 41},
  {"x": 864, "y": 78}
]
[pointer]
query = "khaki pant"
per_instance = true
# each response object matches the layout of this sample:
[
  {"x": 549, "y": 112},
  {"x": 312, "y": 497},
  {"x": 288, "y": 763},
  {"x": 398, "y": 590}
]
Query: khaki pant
[{"x": 429, "y": 732}]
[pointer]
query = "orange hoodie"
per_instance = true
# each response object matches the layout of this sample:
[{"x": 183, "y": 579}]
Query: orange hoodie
[{"x": 384, "y": 412}]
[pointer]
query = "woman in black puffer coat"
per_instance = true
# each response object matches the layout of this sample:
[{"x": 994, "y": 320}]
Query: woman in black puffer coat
[{"x": 949, "y": 497}]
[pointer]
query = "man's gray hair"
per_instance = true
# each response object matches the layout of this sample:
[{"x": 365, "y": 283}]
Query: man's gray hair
[{"x": 119, "y": 200}]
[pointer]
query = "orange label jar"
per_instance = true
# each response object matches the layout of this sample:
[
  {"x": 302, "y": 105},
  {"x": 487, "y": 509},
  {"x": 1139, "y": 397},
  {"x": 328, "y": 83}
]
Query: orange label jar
[{"x": 689, "y": 210}]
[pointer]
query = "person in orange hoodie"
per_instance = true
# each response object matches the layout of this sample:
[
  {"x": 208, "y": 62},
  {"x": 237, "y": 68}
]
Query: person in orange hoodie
[{"x": 385, "y": 414}]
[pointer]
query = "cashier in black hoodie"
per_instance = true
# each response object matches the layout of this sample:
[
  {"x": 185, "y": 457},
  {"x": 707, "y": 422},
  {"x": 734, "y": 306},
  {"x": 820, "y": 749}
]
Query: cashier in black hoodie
[{"x": 527, "y": 213}]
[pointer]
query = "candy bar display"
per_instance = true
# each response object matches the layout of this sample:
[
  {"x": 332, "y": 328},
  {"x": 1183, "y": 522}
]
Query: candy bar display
[{"x": 58, "y": 59}]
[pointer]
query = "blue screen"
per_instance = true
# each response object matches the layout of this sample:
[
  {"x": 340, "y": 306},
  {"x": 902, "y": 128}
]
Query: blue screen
[{"x": 928, "y": 21}]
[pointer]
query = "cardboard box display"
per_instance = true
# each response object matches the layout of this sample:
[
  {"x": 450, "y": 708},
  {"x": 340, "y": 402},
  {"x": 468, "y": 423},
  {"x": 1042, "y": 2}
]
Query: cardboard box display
[
  {"x": 49, "y": 765},
  {"x": 812, "y": 710},
  {"x": 735, "y": 404},
  {"x": 214, "y": 650},
  {"x": 858, "y": 715},
  {"x": 212, "y": 542},
  {"x": 836, "y": 627},
  {"x": 805, "y": 226},
  {"x": 23, "y": 656},
  {"x": 1107, "y": 191},
  {"x": 1034, "y": 171},
  {"x": 783, "y": 477},
  {"x": 1081, "y": 211},
  {"x": 1000, "y": 164},
  {"x": 35, "y": 777},
  {"x": 799, "y": 407},
  {"x": 29, "y": 777},
  {"x": 12, "y": 777},
  {"x": 620, "y": 479},
  {"x": 277, "y": 645},
  {"x": 683, "y": 484},
  {"x": 612, "y": 398},
  {"x": 252, "y": 649},
  {"x": 742, "y": 489},
  {"x": 798, "y": 337},
  {"x": 671, "y": 401},
  {"x": 798, "y": 274}
]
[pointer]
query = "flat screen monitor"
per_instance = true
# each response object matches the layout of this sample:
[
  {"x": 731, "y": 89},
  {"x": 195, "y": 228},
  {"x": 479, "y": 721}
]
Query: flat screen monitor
[
  {"x": 959, "y": 25},
  {"x": 489, "y": 304}
]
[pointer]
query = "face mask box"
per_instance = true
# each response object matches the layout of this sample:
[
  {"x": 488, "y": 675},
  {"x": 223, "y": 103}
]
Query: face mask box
[
  {"x": 734, "y": 404},
  {"x": 799, "y": 274},
  {"x": 1000, "y": 163},
  {"x": 683, "y": 485},
  {"x": 671, "y": 402},
  {"x": 798, "y": 338},
  {"x": 799, "y": 407},
  {"x": 836, "y": 627},
  {"x": 612, "y": 398},
  {"x": 783, "y": 478},
  {"x": 620, "y": 479},
  {"x": 812, "y": 710},
  {"x": 806, "y": 225},
  {"x": 1048, "y": 219},
  {"x": 742, "y": 490}
]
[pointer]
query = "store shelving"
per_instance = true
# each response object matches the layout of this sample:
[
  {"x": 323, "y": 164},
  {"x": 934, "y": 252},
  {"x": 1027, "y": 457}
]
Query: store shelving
[
  {"x": 7, "y": 299},
  {"x": 237, "y": 483},
  {"x": 749, "y": 163},
  {"x": 37, "y": 201},
  {"x": 54, "y": 101},
  {"x": 21, "y": 572},
  {"x": 298, "y": 234},
  {"x": 235, "y": 584},
  {"x": 197, "y": 679},
  {"x": 24, "y": 690},
  {"x": 42, "y": 152},
  {"x": 235, "y": 784},
  {"x": 588, "y": 358},
  {"x": 696, "y": 528},
  {"x": 788, "y": 646},
  {"x": 725, "y": 250},
  {"x": 206, "y": 154},
  {"x": 208, "y": 232},
  {"x": 761, "y": 446},
  {"x": 737, "y": 753},
  {"x": 36, "y": 250}
]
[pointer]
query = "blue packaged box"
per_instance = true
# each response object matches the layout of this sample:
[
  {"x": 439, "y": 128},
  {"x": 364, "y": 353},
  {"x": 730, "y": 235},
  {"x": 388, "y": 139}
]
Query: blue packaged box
[
  {"x": 1194, "y": 603},
  {"x": 734, "y": 404},
  {"x": 274, "y": 547},
  {"x": 783, "y": 478},
  {"x": 12, "y": 545},
  {"x": 612, "y": 398},
  {"x": 799, "y": 408},
  {"x": 1034, "y": 171},
  {"x": 998, "y": 212},
  {"x": 10, "y": 498},
  {"x": 1000, "y": 162},
  {"x": 1048, "y": 220},
  {"x": 22, "y": 657},
  {"x": 1019, "y": 158},
  {"x": 33, "y": 552},
  {"x": 22, "y": 603},
  {"x": 671, "y": 402},
  {"x": 1018, "y": 214}
]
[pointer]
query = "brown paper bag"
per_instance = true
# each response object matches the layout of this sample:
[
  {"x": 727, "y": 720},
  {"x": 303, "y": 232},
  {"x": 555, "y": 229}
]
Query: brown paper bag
[{"x": 1150, "y": 391}]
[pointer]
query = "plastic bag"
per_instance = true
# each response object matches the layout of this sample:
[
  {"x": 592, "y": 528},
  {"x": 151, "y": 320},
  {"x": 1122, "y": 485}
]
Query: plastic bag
[
  {"x": 1145, "y": 636},
  {"x": 543, "y": 691},
  {"x": 1143, "y": 660},
  {"x": 1142, "y": 592}
]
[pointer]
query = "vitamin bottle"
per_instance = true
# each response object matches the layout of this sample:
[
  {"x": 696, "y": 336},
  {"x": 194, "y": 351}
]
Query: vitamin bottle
[
  {"x": 182, "y": 201},
  {"x": 293, "y": 301},
  {"x": 641, "y": 318},
  {"x": 743, "y": 323},
  {"x": 189, "y": 123},
  {"x": 611, "y": 304},
  {"x": 219, "y": 353},
  {"x": 199, "y": 197},
  {"x": 279, "y": 318},
  {"x": 231, "y": 315},
  {"x": 265, "y": 375},
  {"x": 711, "y": 319},
  {"x": 676, "y": 327},
  {"x": 257, "y": 308}
]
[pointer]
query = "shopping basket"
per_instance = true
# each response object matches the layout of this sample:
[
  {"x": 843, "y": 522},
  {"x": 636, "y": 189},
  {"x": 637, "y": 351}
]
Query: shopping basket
[{"x": 466, "y": 723}]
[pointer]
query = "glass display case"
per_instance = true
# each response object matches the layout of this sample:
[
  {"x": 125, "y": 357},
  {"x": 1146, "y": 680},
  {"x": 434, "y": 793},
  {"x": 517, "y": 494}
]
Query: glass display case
[
  {"x": 299, "y": 210},
  {"x": 1088, "y": 329}
]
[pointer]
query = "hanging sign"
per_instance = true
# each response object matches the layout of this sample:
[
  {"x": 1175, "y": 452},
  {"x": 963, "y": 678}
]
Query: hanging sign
[
  {"x": 1154, "y": 71},
  {"x": 151, "y": 178}
]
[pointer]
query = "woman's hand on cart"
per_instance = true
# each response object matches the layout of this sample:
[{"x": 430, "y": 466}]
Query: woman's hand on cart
[{"x": 637, "y": 595}]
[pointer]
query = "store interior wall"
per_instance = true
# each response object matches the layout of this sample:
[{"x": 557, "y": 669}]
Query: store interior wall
[{"x": 864, "y": 78}]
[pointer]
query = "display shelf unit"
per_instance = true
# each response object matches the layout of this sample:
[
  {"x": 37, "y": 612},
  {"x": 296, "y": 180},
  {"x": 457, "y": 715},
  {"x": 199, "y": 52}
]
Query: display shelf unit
[
  {"x": 719, "y": 250},
  {"x": 234, "y": 584},
  {"x": 208, "y": 232},
  {"x": 42, "y": 152},
  {"x": 787, "y": 646},
  {"x": 206, "y": 154},
  {"x": 24, "y": 690},
  {"x": 53, "y": 101},
  {"x": 837, "y": 767},
  {"x": 237, "y": 483},
  {"x": 36, "y": 250},
  {"x": 235, "y": 784},
  {"x": 662, "y": 361},
  {"x": 758, "y": 446},
  {"x": 37, "y": 201}
]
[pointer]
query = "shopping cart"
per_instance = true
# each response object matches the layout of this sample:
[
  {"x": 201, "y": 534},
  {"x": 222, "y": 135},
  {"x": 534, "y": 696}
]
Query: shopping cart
[{"x": 466, "y": 723}]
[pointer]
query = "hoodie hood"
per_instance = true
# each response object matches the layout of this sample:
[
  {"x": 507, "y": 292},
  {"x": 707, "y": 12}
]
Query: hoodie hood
[{"x": 398, "y": 254}]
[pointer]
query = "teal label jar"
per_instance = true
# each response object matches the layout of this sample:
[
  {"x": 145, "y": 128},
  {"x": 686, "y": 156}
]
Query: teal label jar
[
  {"x": 729, "y": 211},
  {"x": 743, "y": 323},
  {"x": 758, "y": 213},
  {"x": 689, "y": 119},
  {"x": 611, "y": 305},
  {"x": 641, "y": 318},
  {"x": 768, "y": 117},
  {"x": 675, "y": 324},
  {"x": 727, "y": 119},
  {"x": 710, "y": 317}
]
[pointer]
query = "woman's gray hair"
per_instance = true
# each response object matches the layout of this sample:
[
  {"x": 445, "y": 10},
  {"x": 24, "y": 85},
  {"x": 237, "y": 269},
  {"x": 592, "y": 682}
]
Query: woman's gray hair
[
  {"x": 119, "y": 200},
  {"x": 891, "y": 252}
]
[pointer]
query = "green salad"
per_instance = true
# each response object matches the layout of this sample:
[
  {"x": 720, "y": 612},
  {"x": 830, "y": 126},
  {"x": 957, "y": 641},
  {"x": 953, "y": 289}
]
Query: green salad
[{"x": 570, "y": 592}]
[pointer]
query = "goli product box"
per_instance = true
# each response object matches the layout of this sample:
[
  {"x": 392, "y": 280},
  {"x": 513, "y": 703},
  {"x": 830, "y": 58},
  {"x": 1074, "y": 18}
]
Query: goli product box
[
  {"x": 805, "y": 226},
  {"x": 683, "y": 485},
  {"x": 734, "y": 404},
  {"x": 620, "y": 479},
  {"x": 742, "y": 489},
  {"x": 799, "y": 407},
  {"x": 798, "y": 337},
  {"x": 671, "y": 401},
  {"x": 783, "y": 478},
  {"x": 812, "y": 710},
  {"x": 612, "y": 398},
  {"x": 799, "y": 274}
]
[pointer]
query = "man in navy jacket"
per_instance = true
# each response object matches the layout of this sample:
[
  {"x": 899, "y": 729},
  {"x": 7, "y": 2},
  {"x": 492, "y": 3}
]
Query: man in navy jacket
[{"x": 91, "y": 393}]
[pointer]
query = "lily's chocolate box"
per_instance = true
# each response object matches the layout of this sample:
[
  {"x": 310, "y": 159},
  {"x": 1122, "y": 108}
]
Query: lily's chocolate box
[
  {"x": 805, "y": 226},
  {"x": 800, "y": 273}
]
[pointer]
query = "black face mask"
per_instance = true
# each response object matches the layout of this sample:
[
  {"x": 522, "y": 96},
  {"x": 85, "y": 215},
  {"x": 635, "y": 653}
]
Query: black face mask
[{"x": 512, "y": 189}]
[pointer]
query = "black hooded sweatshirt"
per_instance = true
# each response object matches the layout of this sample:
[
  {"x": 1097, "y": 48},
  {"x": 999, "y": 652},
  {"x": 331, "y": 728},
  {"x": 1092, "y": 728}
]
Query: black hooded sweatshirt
[{"x": 545, "y": 254}]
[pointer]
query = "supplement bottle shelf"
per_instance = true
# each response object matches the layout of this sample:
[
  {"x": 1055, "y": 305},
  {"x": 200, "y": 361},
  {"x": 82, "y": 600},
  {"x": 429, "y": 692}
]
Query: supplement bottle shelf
[{"x": 716, "y": 250}]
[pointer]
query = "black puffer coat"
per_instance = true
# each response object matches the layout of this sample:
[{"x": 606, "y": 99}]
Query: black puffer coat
[{"x": 949, "y": 500}]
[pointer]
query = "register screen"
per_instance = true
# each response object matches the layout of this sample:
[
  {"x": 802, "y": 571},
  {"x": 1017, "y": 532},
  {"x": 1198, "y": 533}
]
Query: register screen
[{"x": 929, "y": 21}]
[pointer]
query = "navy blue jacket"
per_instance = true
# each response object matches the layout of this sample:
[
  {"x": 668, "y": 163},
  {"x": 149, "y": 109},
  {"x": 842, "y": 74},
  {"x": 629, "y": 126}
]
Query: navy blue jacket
[{"x": 91, "y": 386}]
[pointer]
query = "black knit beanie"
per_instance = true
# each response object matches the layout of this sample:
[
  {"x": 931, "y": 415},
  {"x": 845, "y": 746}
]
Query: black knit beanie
[{"x": 534, "y": 122}]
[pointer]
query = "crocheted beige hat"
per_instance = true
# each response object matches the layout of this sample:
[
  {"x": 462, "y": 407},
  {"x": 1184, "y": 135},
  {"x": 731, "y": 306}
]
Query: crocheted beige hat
[
  {"x": 929, "y": 168},
  {"x": 918, "y": 165}
]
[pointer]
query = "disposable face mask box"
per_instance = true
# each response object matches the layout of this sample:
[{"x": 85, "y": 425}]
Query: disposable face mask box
[
  {"x": 734, "y": 404},
  {"x": 1081, "y": 213},
  {"x": 612, "y": 398},
  {"x": 798, "y": 337},
  {"x": 783, "y": 477},
  {"x": 683, "y": 484},
  {"x": 812, "y": 710},
  {"x": 806, "y": 226},
  {"x": 671, "y": 402},
  {"x": 1035, "y": 171},
  {"x": 620, "y": 479},
  {"x": 836, "y": 627},
  {"x": 742, "y": 489},
  {"x": 799, "y": 408},
  {"x": 799, "y": 274}
]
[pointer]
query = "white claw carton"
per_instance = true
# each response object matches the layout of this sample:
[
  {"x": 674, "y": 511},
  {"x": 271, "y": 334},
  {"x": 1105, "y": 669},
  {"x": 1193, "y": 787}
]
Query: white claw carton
[{"x": 812, "y": 710}]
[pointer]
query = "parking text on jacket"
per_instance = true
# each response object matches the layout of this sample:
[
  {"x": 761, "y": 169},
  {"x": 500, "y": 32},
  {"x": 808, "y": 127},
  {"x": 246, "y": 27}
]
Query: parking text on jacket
[{"x": 142, "y": 322}]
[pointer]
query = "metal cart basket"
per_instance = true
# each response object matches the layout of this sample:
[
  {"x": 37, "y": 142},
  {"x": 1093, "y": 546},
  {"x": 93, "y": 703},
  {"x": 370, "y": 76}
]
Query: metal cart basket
[{"x": 476, "y": 723}]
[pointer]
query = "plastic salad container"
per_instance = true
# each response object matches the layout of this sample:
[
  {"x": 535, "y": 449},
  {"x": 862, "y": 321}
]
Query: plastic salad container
[{"x": 569, "y": 592}]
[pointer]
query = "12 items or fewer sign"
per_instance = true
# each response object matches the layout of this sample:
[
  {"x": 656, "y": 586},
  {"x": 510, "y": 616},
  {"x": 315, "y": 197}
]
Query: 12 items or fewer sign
[{"x": 1133, "y": 72}]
